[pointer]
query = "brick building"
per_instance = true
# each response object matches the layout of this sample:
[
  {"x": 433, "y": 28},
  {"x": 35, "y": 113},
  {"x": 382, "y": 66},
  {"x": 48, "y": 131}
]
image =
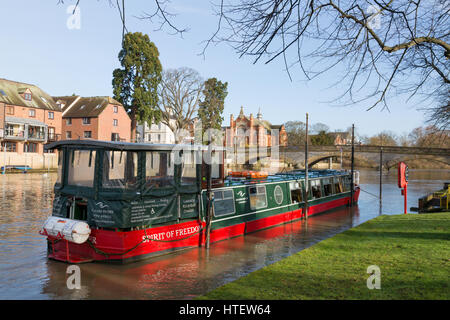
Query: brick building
[
  {"x": 250, "y": 132},
  {"x": 100, "y": 118},
  {"x": 29, "y": 118}
]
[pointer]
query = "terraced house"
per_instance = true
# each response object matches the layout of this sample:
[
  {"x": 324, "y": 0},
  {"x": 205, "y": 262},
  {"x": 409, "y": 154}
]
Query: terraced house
[
  {"x": 100, "y": 118},
  {"x": 29, "y": 118}
]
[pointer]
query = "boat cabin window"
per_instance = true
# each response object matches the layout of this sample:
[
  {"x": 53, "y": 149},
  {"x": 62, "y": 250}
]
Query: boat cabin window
[
  {"x": 316, "y": 191},
  {"x": 120, "y": 169},
  {"x": 223, "y": 203},
  {"x": 347, "y": 183},
  {"x": 81, "y": 168},
  {"x": 60, "y": 167},
  {"x": 159, "y": 169},
  {"x": 188, "y": 168},
  {"x": 216, "y": 165},
  {"x": 296, "y": 192},
  {"x": 258, "y": 197},
  {"x": 338, "y": 188},
  {"x": 327, "y": 187}
]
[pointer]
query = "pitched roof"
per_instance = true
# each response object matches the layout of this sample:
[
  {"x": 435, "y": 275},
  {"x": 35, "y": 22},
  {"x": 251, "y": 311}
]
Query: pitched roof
[
  {"x": 86, "y": 106},
  {"x": 10, "y": 93},
  {"x": 65, "y": 100}
]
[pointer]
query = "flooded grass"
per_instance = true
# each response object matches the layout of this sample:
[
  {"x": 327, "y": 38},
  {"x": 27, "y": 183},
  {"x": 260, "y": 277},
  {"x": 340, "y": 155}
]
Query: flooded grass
[{"x": 411, "y": 252}]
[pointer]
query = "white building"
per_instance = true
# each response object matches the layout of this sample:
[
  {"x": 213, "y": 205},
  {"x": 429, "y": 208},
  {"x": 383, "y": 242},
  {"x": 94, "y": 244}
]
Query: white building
[{"x": 156, "y": 133}]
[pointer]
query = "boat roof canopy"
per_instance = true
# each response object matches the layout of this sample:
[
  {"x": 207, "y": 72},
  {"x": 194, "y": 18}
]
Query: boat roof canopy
[{"x": 128, "y": 146}]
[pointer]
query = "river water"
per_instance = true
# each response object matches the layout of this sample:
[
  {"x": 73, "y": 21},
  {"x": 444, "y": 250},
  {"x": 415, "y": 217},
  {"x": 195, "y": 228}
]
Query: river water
[{"x": 26, "y": 273}]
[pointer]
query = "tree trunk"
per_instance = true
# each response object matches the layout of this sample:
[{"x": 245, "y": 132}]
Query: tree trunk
[{"x": 133, "y": 126}]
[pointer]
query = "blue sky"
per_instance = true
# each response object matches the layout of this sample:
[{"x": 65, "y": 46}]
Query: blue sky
[{"x": 39, "y": 48}]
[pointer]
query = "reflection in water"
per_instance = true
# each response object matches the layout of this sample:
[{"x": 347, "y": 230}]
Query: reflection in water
[{"x": 26, "y": 273}]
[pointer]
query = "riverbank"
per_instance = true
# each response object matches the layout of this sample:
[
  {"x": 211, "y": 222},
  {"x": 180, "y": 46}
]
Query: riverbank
[{"x": 410, "y": 250}]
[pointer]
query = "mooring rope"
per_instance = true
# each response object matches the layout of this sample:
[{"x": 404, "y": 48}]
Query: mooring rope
[{"x": 369, "y": 193}]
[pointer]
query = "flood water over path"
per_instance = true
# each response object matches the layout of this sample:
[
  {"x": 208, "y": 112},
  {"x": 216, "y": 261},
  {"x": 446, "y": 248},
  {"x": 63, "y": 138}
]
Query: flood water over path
[{"x": 26, "y": 273}]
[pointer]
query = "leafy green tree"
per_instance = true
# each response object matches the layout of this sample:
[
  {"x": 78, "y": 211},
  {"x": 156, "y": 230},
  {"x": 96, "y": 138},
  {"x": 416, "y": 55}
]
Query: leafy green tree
[
  {"x": 135, "y": 83},
  {"x": 211, "y": 107},
  {"x": 321, "y": 139}
]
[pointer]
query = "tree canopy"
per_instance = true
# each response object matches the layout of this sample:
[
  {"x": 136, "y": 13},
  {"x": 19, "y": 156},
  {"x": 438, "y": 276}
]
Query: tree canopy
[
  {"x": 211, "y": 107},
  {"x": 180, "y": 91},
  {"x": 135, "y": 83}
]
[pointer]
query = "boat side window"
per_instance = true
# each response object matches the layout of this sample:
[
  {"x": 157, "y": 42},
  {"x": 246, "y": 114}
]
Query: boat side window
[
  {"x": 223, "y": 203},
  {"x": 60, "y": 166},
  {"x": 315, "y": 189},
  {"x": 338, "y": 185},
  {"x": 258, "y": 197},
  {"x": 159, "y": 169},
  {"x": 346, "y": 183},
  {"x": 327, "y": 187},
  {"x": 188, "y": 168},
  {"x": 120, "y": 169},
  {"x": 296, "y": 192},
  {"x": 81, "y": 168}
]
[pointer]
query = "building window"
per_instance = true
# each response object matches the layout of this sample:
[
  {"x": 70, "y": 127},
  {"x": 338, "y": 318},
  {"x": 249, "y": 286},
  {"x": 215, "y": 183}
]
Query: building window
[
  {"x": 27, "y": 96},
  {"x": 10, "y": 110},
  {"x": 10, "y": 146},
  {"x": 51, "y": 133},
  {"x": 116, "y": 109},
  {"x": 30, "y": 147},
  {"x": 32, "y": 113},
  {"x": 115, "y": 122},
  {"x": 115, "y": 137},
  {"x": 51, "y": 115},
  {"x": 68, "y": 134},
  {"x": 68, "y": 121},
  {"x": 149, "y": 137},
  {"x": 86, "y": 120},
  {"x": 88, "y": 134}
]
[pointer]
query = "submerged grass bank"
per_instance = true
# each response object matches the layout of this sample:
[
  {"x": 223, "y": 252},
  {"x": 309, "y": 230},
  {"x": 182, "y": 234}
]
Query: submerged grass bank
[{"x": 412, "y": 252}]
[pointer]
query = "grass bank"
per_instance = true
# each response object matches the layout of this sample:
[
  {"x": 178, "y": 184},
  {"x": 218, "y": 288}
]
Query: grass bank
[{"x": 412, "y": 252}]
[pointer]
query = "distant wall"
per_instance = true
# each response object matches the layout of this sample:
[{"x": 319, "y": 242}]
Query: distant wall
[{"x": 34, "y": 160}]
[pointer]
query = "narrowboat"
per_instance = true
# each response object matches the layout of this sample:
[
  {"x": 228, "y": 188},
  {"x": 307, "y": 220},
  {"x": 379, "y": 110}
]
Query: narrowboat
[{"x": 122, "y": 202}]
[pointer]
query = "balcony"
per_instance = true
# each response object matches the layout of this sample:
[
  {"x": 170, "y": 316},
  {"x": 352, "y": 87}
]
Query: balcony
[
  {"x": 53, "y": 137},
  {"x": 14, "y": 132},
  {"x": 36, "y": 133}
]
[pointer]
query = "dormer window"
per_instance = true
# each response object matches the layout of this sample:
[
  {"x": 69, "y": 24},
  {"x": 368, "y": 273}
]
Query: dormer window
[{"x": 27, "y": 96}]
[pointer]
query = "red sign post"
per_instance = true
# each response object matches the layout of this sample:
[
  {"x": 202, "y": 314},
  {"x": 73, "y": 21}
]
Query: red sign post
[{"x": 403, "y": 180}]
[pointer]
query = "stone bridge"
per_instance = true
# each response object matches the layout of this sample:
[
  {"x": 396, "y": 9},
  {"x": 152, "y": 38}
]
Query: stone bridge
[{"x": 364, "y": 155}]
